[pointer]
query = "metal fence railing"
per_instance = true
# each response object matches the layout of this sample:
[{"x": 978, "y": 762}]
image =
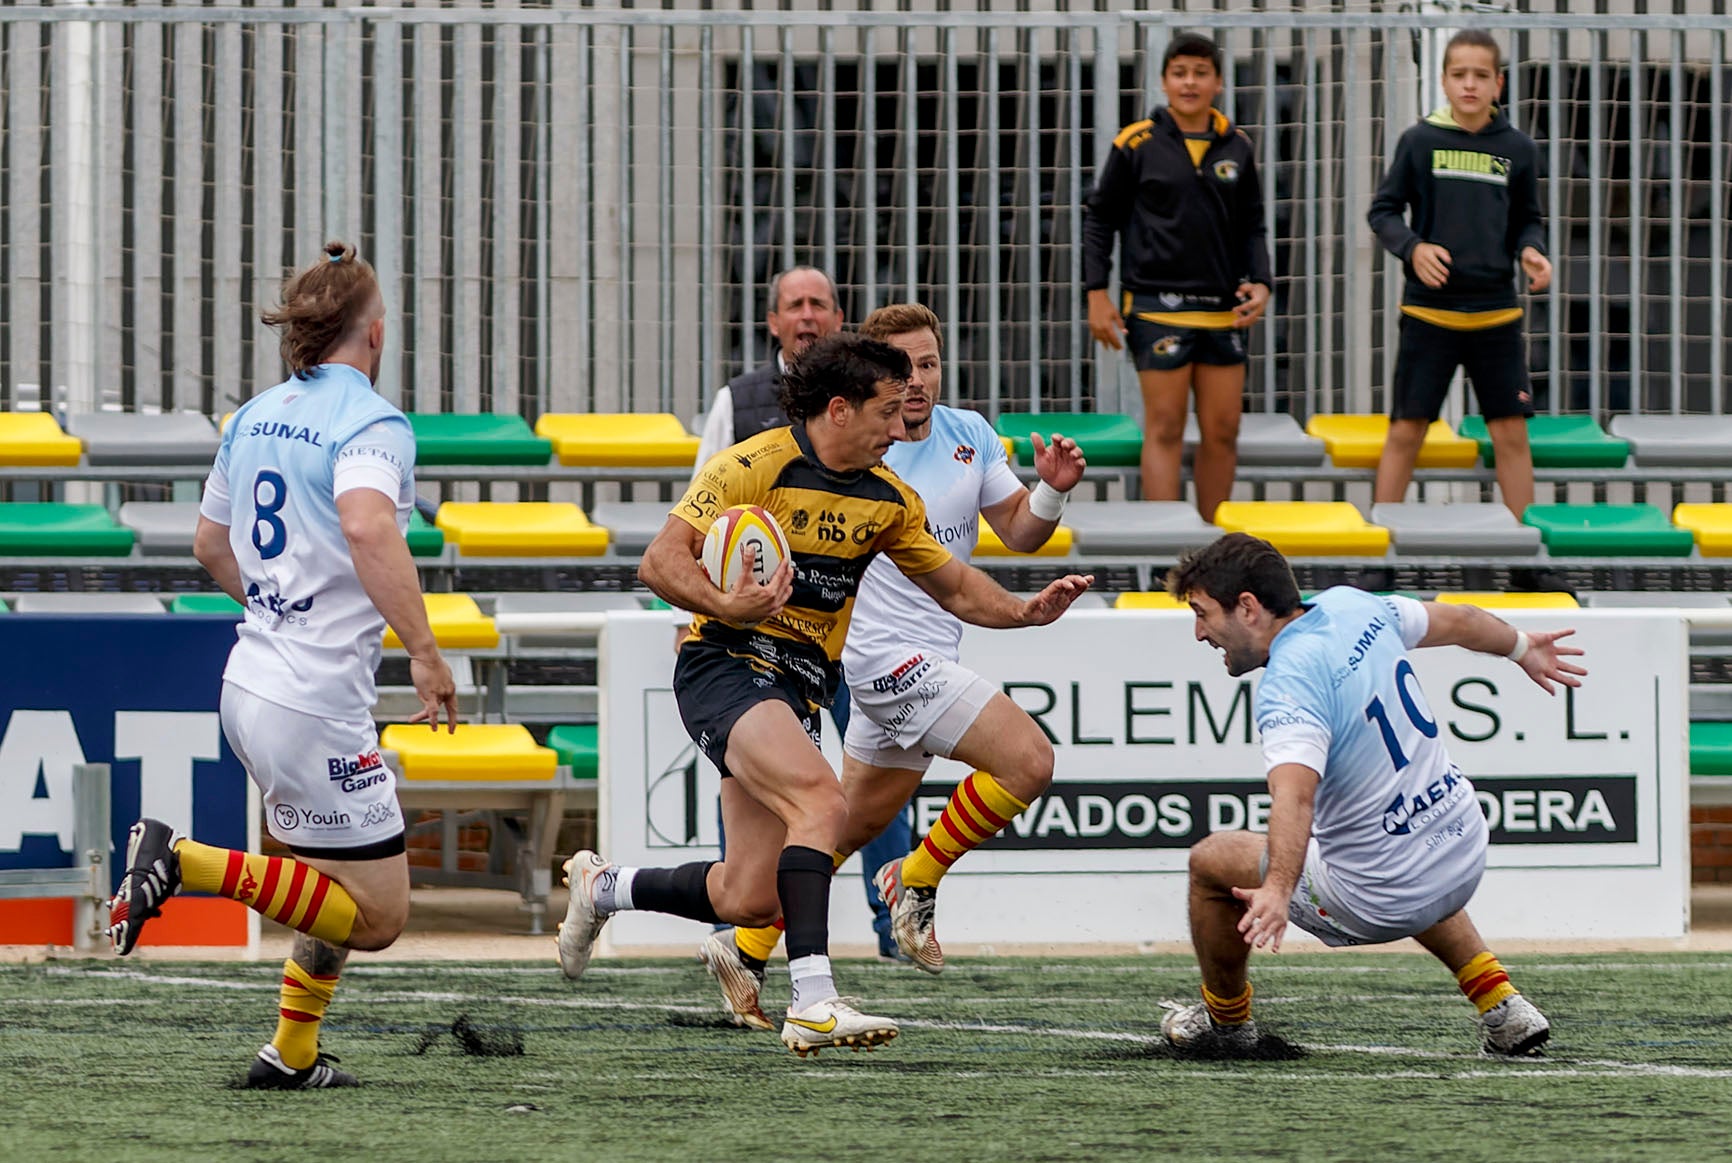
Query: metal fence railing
[{"x": 579, "y": 208}]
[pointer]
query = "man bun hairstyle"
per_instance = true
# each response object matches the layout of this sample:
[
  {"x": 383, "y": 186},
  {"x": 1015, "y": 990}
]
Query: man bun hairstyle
[
  {"x": 1237, "y": 564},
  {"x": 846, "y": 364},
  {"x": 321, "y": 305},
  {"x": 901, "y": 318}
]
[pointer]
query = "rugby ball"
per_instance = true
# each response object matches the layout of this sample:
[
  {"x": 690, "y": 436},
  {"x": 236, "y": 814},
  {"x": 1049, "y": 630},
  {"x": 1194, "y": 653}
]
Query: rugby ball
[{"x": 726, "y": 542}]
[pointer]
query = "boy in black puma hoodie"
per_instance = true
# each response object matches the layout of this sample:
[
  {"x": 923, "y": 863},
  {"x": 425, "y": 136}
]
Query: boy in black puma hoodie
[{"x": 1470, "y": 179}]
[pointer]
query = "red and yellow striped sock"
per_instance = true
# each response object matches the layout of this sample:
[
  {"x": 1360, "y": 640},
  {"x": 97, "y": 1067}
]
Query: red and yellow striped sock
[
  {"x": 1229, "y": 1011},
  {"x": 1484, "y": 981},
  {"x": 305, "y": 996},
  {"x": 284, "y": 890},
  {"x": 978, "y": 810}
]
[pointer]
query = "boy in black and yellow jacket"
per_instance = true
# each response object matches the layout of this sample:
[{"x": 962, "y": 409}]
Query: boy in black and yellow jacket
[{"x": 1470, "y": 179}]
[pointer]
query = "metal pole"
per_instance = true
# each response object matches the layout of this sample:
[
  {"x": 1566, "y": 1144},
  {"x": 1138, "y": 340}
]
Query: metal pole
[
  {"x": 994, "y": 351},
  {"x": 708, "y": 374},
  {"x": 1079, "y": 334},
  {"x": 91, "y": 791},
  {"x": 788, "y": 144},
  {"x": 1596, "y": 226},
  {"x": 868, "y": 150},
  {"x": 1638, "y": 226},
  {"x": 1031, "y": 89},
  {"x": 1716, "y": 224},
  {"x": 1554, "y": 231},
  {"x": 952, "y": 214},
  {"x": 665, "y": 226},
  {"x": 910, "y": 168},
  {"x": 1675, "y": 216},
  {"x": 749, "y": 201},
  {"x": 1270, "y": 132},
  {"x": 827, "y": 144}
]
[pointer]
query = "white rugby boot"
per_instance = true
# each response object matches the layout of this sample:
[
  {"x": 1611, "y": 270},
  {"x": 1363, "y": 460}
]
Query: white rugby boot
[
  {"x": 1515, "y": 1028},
  {"x": 834, "y": 1022},
  {"x": 741, "y": 985},
  {"x": 583, "y": 921},
  {"x": 1189, "y": 1027},
  {"x": 911, "y": 917}
]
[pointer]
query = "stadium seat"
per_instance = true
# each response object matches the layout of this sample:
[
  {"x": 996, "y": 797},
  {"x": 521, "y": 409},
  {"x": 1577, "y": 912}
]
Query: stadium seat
[
  {"x": 1710, "y": 524},
  {"x": 88, "y": 604},
  {"x": 619, "y": 439},
  {"x": 1106, "y": 438},
  {"x": 143, "y": 438},
  {"x": 1470, "y": 529},
  {"x": 481, "y": 752},
  {"x": 1356, "y": 441},
  {"x": 1557, "y": 442},
  {"x": 162, "y": 527},
  {"x": 1269, "y": 439},
  {"x": 578, "y": 747},
  {"x": 1306, "y": 528},
  {"x": 1711, "y": 748},
  {"x": 1608, "y": 531},
  {"x": 1122, "y": 527},
  {"x": 1654, "y": 600},
  {"x": 204, "y": 604},
  {"x": 425, "y": 540},
  {"x": 521, "y": 529},
  {"x": 476, "y": 438},
  {"x": 53, "y": 529},
  {"x": 632, "y": 524},
  {"x": 1498, "y": 600},
  {"x": 457, "y": 623},
  {"x": 1687, "y": 441},
  {"x": 1148, "y": 600},
  {"x": 34, "y": 439},
  {"x": 991, "y": 545}
]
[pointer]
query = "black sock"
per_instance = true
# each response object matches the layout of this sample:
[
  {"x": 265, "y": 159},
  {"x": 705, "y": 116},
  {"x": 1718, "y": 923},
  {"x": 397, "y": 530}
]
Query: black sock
[
  {"x": 681, "y": 891},
  {"x": 803, "y": 878},
  {"x": 750, "y": 962}
]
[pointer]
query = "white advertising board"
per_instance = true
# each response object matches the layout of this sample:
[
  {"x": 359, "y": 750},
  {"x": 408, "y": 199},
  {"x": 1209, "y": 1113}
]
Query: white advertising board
[{"x": 1587, "y": 792}]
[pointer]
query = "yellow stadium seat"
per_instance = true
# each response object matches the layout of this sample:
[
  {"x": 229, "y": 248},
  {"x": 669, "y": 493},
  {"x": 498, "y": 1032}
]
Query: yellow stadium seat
[
  {"x": 1306, "y": 528},
  {"x": 1496, "y": 600},
  {"x": 1356, "y": 441},
  {"x": 619, "y": 439},
  {"x": 1148, "y": 600},
  {"x": 1711, "y": 525},
  {"x": 1058, "y": 545},
  {"x": 1009, "y": 448},
  {"x": 457, "y": 622},
  {"x": 34, "y": 439},
  {"x": 482, "y": 752},
  {"x": 521, "y": 529}
]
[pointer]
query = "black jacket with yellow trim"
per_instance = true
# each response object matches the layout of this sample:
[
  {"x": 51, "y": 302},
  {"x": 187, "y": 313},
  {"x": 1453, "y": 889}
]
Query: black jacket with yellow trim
[{"x": 1193, "y": 230}]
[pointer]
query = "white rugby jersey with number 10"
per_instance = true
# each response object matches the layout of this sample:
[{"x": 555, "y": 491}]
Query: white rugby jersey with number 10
[
  {"x": 959, "y": 469},
  {"x": 311, "y": 638},
  {"x": 1396, "y": 822}
]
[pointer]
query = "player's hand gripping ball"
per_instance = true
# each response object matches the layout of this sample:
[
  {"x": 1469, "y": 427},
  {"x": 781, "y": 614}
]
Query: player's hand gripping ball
[{"x": 726, "y": 542}]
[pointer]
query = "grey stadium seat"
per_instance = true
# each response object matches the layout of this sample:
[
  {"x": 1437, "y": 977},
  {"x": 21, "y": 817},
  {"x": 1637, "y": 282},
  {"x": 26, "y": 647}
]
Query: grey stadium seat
[
  {"x": 1164, "y": 527},
  {"x": 1476, "y": 529},
  {"x": 1699, "y": 441},
  {"x": 162, "y": 527},
  {"x": 89, "y": 604},
  {"x": 141, "y": 438},
  {"x": 1266, "y": 438},
  {"x": 632, "y": 524},
  {"x": 565, "y": 603}
]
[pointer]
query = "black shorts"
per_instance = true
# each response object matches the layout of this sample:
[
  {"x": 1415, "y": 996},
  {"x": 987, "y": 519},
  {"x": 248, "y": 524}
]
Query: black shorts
[
  {"x": 1163, "y": 347},
  {"x": 715, "y": 685},
  {"x": 1494, "y": 359}
]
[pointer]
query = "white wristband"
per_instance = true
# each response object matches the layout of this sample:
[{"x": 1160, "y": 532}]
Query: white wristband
[
  {"x": 1046, "y": 502},
  {"x": 1520, "y": 648}
]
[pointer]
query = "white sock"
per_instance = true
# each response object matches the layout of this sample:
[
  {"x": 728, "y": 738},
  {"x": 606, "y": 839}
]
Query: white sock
[
  {"x": 613, "y": 890},
  {"x": 812, "y": 981}
]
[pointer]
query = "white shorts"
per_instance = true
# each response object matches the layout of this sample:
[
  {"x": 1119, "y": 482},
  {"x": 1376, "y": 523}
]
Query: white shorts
[
  {"x": 919, "y": 708},
  {"x": 326, "y": 788},
  {"x": 1317, "y": 908}
]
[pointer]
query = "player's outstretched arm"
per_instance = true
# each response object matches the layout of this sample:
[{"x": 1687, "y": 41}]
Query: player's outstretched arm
[
  {"x": 671, "y": 569},
  {"x": 1538, "y": 652},
  {"x": 1293, "y": 789},
  {"x": 975, "y": 598},
  {"x": 210, "y": 544},
  {"x": 1027, "y": 518}
]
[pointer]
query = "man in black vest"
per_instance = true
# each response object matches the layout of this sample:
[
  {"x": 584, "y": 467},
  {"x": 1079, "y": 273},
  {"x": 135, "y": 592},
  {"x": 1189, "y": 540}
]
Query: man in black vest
[{"x": 803, "y": 307}]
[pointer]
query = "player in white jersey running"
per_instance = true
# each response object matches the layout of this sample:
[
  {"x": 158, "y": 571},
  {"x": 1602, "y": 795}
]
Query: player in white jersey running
[
  {"x": 1374, "y": 835},
  {"x": 303, "y": 523},
  {"x": 911, "y": 698}
]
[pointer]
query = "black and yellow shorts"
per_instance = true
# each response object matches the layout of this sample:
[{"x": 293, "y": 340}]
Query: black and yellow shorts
[
  {"x": 1167, "y": 332},
  {"x": 714, "y": 685}
]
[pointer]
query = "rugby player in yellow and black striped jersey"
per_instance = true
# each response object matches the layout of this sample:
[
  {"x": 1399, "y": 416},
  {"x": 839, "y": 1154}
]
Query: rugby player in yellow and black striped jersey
[{"x": 749, "y": 697}]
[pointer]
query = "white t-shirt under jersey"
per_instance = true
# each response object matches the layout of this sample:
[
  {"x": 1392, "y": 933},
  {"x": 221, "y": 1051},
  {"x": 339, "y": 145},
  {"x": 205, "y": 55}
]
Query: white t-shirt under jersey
[
  {"x": 958, "y": 470},
  {"x": 311, "y": 638},
  {"x": 1395, "y": 821}
]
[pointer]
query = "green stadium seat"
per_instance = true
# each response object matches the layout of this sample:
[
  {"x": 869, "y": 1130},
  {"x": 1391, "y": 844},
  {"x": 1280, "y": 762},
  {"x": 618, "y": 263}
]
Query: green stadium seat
[
  {"x": 425, "y": 539},
  {"x": 204, "y": 604},
  {"x": 1711, "y": 748},
  {"x": 1106, "y": 438},
  {"x": 1608, "y": 531},
  {"x": 1558, "y": 442},
  {"x": 53, "y": 529},
  {"x": 476, "y": 438},
  {"x": 579, "y": 748}
]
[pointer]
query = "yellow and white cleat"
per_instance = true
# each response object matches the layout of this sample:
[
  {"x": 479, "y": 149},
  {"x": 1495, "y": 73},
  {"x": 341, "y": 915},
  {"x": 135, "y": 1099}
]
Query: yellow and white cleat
[
  {"x": 583, "y": 921},
  {"x": 834, "y": 1022}
]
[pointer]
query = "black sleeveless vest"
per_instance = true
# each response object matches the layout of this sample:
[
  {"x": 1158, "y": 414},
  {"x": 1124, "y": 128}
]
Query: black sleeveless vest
[{"x": 757, "y": 407}]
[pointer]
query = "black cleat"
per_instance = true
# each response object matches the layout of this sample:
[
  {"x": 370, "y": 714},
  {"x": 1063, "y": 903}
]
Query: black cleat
[
  {"x": 269, "y": 1072},
  {"x": 152, "y": 876}
]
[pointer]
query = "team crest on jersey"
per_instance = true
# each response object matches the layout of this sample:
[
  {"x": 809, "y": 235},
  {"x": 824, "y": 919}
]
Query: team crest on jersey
[
  {"x": 965, "y": 454},
  {"x": 800, "y": 520},
  {"x": 1227, "y": 171}
]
